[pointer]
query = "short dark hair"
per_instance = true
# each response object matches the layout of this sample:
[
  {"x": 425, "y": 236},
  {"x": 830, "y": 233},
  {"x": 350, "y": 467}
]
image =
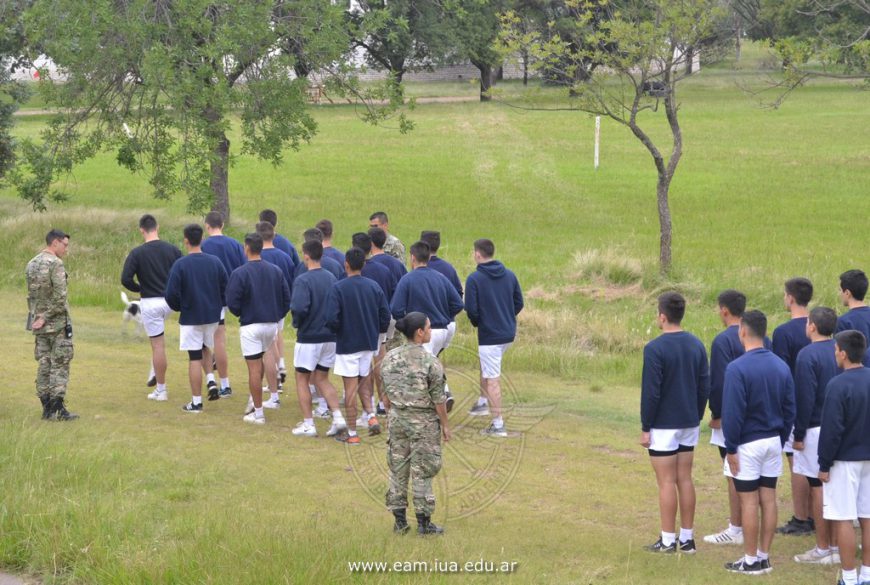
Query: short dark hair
[
  {"x": 355, "y": 258},
  {"x": 214, "y": 219},
  {"x": 312, "y": 234},
  {"x": 362, "y": 241},
  {"x": 314, "y": 249},
  {"x": 854, "y": 281},
  {"x": 254, "y": 242},
  {"x": 381, "y": 216},
  {"x": 193, "y": 234},
  {"x": 801, "y": 289},
  {"x": 148, "y": 223},
  {"x": 270, "y": 216},
  {"x": 825, "y": 320},
  {"x": 673, "y": 306},
  {"x": 756, "y": 322},
  {"x": 55, "y": 234},
  {"x": 325, "y": 226},
  {"x": 421, "y": 252},
  {"x": 733, "y": 300},
  {"x": 378, "y": 236},
  {"x": 485, "y": 247},
  {"x": 432, "y": 238},
  {"x": 853, "y": 343},
  {"x": 266, "y": 230}
]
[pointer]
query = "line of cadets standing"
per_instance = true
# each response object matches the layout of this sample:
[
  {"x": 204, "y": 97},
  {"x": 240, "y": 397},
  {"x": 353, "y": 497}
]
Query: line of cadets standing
[{"x": 806, "y": 394}]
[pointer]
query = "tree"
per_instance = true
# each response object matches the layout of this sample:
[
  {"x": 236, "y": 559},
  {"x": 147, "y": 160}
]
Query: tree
[
  {"x": 642, "y": 49},
  {"x": 476, "y": 25},
  {"x": 162, "y": 83},
  {"x": 12, "y": 93}
]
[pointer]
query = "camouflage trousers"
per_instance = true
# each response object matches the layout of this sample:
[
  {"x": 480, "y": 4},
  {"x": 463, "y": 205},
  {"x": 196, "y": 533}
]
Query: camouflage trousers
[
  {"x": 53, "y": 354},
  {"x": 414, "y": 451}
]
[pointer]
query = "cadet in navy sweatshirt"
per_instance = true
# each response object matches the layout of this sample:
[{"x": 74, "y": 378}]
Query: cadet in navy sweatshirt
[
  {"x": 232, "y": 255},
  {"x": 816, "y": 366},
  {"x": 674, "y": 389},
  {"x": 758, "y": 412},
  {"x": 258, "y": 295},
  {"x": 326, "y": 228},
  {"x": 280, "y": 241},
  {"x": 327, "y": 263},
  {"x": 273, "y": 255},
  {"x": 396, "y": 266},
  {"x": 197, "y": 289},
  {"x": 844, "y": 453},
  {"x": 853, "y": 289},
  {"x": 373, "y": 270},
  {"x": 357, "y": 312}
]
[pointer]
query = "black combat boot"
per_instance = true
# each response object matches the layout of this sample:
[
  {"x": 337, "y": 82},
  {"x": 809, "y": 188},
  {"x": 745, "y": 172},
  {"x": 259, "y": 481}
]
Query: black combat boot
[
  {"x": 401, "y": 525},
  {"x": 61, "y": 412},
  {"x": 47, "y": 410},
  {"x": 425, "y": 526}
]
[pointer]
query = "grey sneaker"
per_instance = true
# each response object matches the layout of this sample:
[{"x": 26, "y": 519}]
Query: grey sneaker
[
  {"x": 226, "y": 392},
  {"x": 494, "y": 431},
  {"x": 479, "y": 410}
]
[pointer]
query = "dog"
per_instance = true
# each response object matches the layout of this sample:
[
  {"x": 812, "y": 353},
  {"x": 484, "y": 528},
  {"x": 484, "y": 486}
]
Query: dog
[{"x": 132, "y": 312}]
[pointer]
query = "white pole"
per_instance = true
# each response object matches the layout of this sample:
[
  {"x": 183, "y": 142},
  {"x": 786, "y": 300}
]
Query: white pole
[{"x": 597, "y": 138}]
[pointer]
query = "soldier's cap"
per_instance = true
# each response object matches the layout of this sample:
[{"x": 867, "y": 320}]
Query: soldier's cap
[{"x": 432, "y": 238}]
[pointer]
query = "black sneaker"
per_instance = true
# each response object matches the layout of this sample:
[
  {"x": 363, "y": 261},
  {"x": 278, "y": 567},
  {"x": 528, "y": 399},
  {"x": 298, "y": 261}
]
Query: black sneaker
[
  {"x": 381, "y": 410},
  {"x": 282, "y": 377},
  {"x": 659, "y": 547},
  {"x": 191, "y": 407},
  {"x": 687, "y": 547},
  {"x": 152, "y": 381},
  {"x": 765, "y": 566},
  {"x": 795, "y": 527},
  {"x": 741, "y": 566},
  {"x": 213, "y": 391},
  {"x": 226, "y": 392}
]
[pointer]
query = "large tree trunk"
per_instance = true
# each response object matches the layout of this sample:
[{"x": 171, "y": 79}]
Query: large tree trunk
[
  {"x": 525, "y": 67},
  {"x": 486, "y": 79},
  {"x": 220, "y": 176}
]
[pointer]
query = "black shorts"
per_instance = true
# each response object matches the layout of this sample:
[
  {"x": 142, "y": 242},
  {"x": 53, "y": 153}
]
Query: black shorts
[
  {"x": 680, "y": 449},
  {"x": 746, "y": 485}
]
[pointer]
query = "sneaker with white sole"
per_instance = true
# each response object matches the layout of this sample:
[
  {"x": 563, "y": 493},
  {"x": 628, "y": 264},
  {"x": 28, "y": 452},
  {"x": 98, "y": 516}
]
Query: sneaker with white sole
[
  {"x": 336, "y": 428},
  {"x": 304, "y": 430},
  {"x": 226, "y": 392},
  {"x": 273, "y": 404},
  {"x": 254, "y": 419},
  {"x": 494, "y": 431},
  {"x": 479, "y": 410},
  {"x": 159, "y": 396},
  {"x": 191, "y": 407},
  {"x": 724, "y": 537},
  {"x": 741, "y": 566},
  {"x": 323, "y": 413},
  {"x": 816, "y": 557}
]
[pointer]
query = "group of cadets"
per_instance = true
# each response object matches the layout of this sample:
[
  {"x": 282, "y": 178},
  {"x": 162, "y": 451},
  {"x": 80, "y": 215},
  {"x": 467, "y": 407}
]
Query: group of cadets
[
  {"x": 806, "y": 393},
  {"x": 343, "y": 306}
]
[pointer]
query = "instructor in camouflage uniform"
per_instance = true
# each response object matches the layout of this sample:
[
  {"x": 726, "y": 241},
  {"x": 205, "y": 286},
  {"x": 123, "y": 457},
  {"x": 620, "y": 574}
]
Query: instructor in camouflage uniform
[
  {"x": 49, "y": 320},
  {"x": 415, "y": 397}
]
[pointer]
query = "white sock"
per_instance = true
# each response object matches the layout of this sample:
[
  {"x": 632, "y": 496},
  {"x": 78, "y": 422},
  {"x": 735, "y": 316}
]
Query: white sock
[
  {"x": 197, "y": 400},
  {"x": 750, "y": 560},
  {"x": 865, "y": 573},
  {"x": 836, "y": 549},
  {"x": 374, "y": 403},
  {"x": 225, "y": 383},
  {"x": 686, "y": 534},
  {"x": 309, "y": 422},
  {"x": 161, "y": 387},
  {"x": 498, "y": 422},
  {"x": 258, "y": 412},
  {"x": 668, "y": 538},
  {"x": 850, "y": 577},
  {"x": 281, "y": 365},
  {"x": 337, "y": 418},
  {"x": 209, "y": 377},
  {"x": 321, "y": 403},
  {"x": 351, "y": 433},
  {"x": 762, "y": 556},
  {"x": 275, "y": 397},
  {"x": 481, "y": 401},
  {"x": 734, "y": 530},
  {"x": 381, "y": 406},
  {"x": 313, "y": 389}
]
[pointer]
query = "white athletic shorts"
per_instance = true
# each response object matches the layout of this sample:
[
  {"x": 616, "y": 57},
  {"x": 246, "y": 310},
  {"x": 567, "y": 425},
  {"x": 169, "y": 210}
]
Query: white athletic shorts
[
  {"x": 349, "y": 365},
  {"x": 257, "y": 337},
  {"x": 787, "y": 448},
  {"x": 154, "y": 314},
  {"x": 846, "y": 495},
  {"x": 667, "y": 440},
  {"x": 717, "y": 437},
  {"x": 806, "y": 462},
  {"x": 490, "y": 359},
  {"x": 758, "y": 458},
  {"x": 451, "y": 332},
  {"x": 194, "y": 337},
  {"x": 437, "y": 342},
  {"x": 311, "y": 355}
]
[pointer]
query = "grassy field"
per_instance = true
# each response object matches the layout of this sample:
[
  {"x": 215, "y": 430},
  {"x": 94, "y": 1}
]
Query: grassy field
[{"x": 139, "y": 492}]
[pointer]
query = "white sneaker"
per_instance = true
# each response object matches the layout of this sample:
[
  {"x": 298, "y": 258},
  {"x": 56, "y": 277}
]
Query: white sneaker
[
  {"x": 724, "y": 537},
  {"x": 249, "y": 407},
  {"x": 273, "y": 404},
  {"x": 304, "y": 430},
  {"x": 322, "y": 413},
  {"x": 362, "y": 421},
  {"x": 253, "y": 419},
  {"x": 159, "y": 396},
  {"x": 336, "y": 428},
  {"x": 816, "y": 557}
]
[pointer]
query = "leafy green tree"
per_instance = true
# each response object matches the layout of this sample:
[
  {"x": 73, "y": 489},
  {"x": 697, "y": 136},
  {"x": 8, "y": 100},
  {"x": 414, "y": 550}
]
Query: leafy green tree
[
  {"x": 12, "y": 93},
  {"x": 476, "y": 25}
]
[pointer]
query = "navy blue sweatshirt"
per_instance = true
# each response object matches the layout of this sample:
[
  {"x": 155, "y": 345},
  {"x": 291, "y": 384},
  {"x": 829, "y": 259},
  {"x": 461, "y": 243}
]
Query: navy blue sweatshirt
[
  {"x": 357, "y": 312},
  {"x": 859, "y": 320},
  {"x": 335, "y": 254},
  {"x": 381, "y": 275},
  {"x": 445, "y": 268},
  {"x": 428, "y": 292},
  {"x": 228, "y": 251},
  {"x": 258, "y": 293},
  {"x": 197, "y": 289},
  {"x": 328, "y": 264},
  {"x": 396, "y": 266},
  {"x": 285, "y": 246},
  {"x": 845, "y": 419},
  {"x": 758, "y": 399},
  {"x": 149, "y": 264},
  {"x": 789, "y": 338},
  {"x": 308, "y": 305},
  {"x": 493, "y": 299},
  {"x": 816, "y": 365},
  {"x": 280, "y": 259},
  {"x": 675, "y": 382},
  {"x": 725, "y": 349}
]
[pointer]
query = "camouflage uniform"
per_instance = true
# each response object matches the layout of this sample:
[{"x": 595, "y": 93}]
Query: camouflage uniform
[
  {"x": 414, "y": 384},
  {"x": 47, "y": 298},
  {"x": 394, "y": 247}
]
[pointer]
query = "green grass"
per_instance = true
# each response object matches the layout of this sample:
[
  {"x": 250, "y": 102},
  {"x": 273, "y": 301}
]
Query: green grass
[{"x": 135, "y": 492}]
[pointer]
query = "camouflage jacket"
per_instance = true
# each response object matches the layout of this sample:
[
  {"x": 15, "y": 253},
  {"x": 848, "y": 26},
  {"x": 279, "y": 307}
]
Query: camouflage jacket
[
  {"x": 46, "y": 292},
  {"x": 413, "y": 379},
  {"x": 394, "y": 247}
]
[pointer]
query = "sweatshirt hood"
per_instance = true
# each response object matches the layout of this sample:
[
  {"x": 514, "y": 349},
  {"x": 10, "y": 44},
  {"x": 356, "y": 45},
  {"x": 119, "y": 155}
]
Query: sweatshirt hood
[{"x": 493, "y": 269}]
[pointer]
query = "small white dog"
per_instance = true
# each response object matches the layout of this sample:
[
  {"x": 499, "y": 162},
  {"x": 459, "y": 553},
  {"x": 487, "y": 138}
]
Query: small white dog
[{"x": 132, "y": 312}]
